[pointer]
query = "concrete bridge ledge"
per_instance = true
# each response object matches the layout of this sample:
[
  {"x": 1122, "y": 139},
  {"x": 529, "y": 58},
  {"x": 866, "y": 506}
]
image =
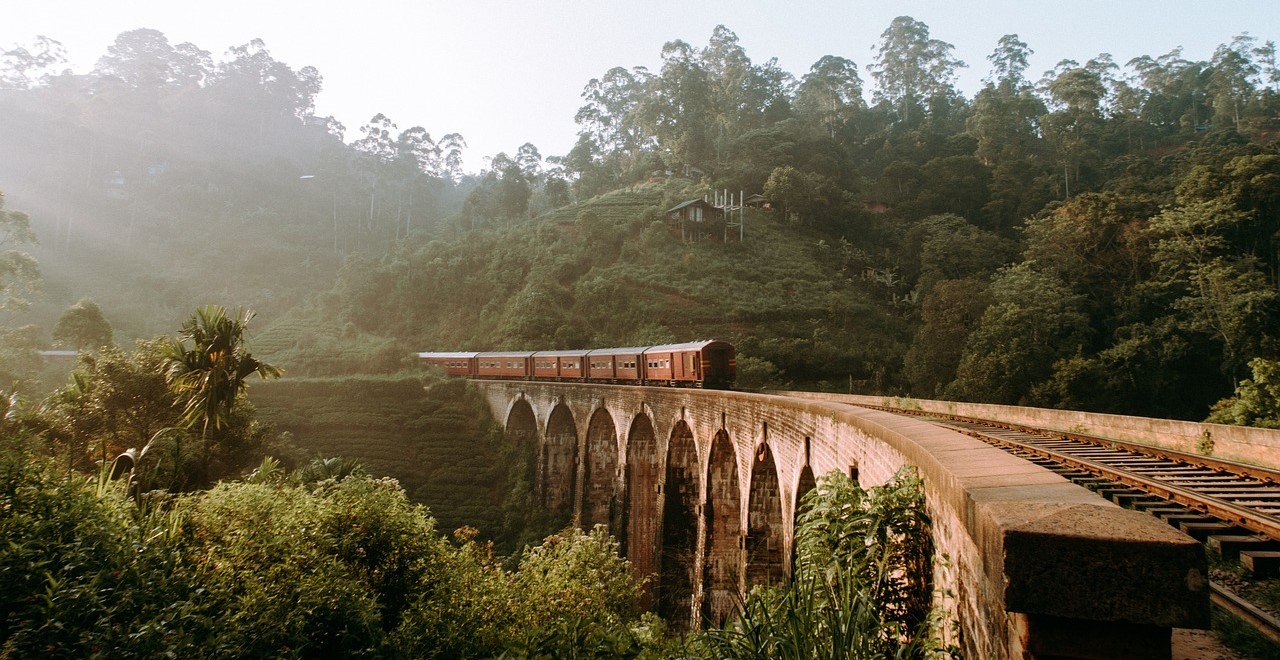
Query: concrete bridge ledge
[{"x": 1059, "y": 549}]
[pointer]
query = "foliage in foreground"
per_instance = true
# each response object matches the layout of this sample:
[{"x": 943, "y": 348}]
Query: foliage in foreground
[
  {"x": 862, "y": 585},
  {"x": 1256, "y": 401},
  {"x": 282, "y": 568},
  {"x": 331, "y": 562}
]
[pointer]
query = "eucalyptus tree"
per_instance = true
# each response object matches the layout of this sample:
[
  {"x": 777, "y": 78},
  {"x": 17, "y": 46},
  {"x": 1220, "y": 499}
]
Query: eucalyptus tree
[
  {"x": 1079, "y": 97},
  {"x": 915, "y": 75},
  {"x": 415, "y": 148},
  {"x": 451, "y": 147},
  {"x": 26, "y": 67},
  {"x": 680, "y": 106},
  {"x": 529, "y": 160},
  {"x": 610, "y": 114},
  {"x": 503, "y": 193},
  {"x": 142, "y": 59},
  {"x": 830, "y": 95},
  {"x": 1171, "y": 92},
  {"x": 1231, "y": 82},
  {"x": 1268, "y": 67},
  {"x": 1005, "y": 121},
  {"x": 376, "y": 153},
  {"x": 744, "y": 96},
  {"x": 265, "y": 89},
  {"x": 19, "y": 272},
  {"x": 1009, "y": 63}
]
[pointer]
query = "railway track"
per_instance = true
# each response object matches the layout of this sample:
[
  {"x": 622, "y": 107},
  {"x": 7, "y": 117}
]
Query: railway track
[{"x": 1234, "y": 508}]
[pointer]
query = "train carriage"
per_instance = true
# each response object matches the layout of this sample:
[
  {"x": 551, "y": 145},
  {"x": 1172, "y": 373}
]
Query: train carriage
[
  {"x": 511, "y": 364},
  {"x": 709, "y": 363},
  {"x": 616, "y": 365},
  {"x": 560, "y": 365},
  {"x": 453, "y": 364}
]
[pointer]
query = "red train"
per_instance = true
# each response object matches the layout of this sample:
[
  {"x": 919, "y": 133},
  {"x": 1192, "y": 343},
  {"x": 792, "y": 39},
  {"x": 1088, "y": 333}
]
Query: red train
[{"x": 710, "y": 363}]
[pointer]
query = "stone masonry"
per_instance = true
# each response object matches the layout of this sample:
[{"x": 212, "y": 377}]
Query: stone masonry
[{"x": 704, "y": 486}]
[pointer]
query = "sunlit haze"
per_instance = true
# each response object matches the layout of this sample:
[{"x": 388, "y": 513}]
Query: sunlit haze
[{"x": 506, "y": 73}]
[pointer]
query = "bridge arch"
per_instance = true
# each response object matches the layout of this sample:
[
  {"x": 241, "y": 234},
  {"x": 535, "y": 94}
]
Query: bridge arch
[
  {"x": 600, "y": 473},
  {"x": 765, "y": 536},
  {"x": 558, "y": 459},
  {"x": 643, "y": 509},
  {"x": 723, "y": 563},
  {"x": 522, "y": 424},
  {"x": 679, "y": 529},
  {"x": 805, "y": 482}
]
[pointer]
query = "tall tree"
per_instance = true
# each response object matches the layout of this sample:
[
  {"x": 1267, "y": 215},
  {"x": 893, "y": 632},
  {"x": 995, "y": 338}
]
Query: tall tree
[
  {"x": 25, "y": 67},
  {"x": 1009, "y": 62},
  {"x": 680, "y": 107},
  {"x": 19, "y": 273},
  {"x": 1005, "y": 121},
  {"x": 1231, "y": 83},
  {"x": 915, "y": 75},
  {"x": 143, "y": 59},
  {"x": 830, "y": 95},
  {"x": 1171, "y": 92},
  {"x": 1079, "y": 96},
  {"x": 83, "y": 326},
  {"x": 609, "y": 115}
]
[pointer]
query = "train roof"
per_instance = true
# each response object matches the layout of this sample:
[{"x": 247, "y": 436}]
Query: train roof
[
  {"x": 561, "y": 353},
  {"x": 625, "y": 350},
  {"x": 688, "y": 346}
]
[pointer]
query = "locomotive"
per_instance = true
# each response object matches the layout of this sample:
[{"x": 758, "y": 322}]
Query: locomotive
[{"x": 709, "y": 363}]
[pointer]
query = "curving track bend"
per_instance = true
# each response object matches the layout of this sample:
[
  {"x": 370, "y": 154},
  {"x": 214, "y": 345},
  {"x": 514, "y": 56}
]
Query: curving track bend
[{"x": 1232, "y": 507}]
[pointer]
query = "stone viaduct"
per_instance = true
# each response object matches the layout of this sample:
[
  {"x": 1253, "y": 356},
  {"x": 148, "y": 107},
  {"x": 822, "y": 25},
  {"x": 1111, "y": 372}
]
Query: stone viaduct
[{"x": 701, "y": 488}]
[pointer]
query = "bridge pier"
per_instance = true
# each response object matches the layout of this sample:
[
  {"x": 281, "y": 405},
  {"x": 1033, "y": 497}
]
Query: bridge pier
[{"x": 702, "y": 487}]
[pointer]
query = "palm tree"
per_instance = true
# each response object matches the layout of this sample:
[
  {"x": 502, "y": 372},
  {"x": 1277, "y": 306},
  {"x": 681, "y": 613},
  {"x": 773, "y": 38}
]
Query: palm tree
[{"x": 209, "y": 376}]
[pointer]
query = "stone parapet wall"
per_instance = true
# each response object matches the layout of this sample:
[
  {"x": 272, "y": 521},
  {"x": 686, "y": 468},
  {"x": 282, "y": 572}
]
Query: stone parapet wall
[
  {"x": 1236, "y": 443},
  {"x": 1023, "y": 554}
]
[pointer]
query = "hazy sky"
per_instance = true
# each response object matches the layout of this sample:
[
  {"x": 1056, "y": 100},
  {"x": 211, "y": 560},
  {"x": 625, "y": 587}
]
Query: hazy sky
[{"x": 503, "y": 73}]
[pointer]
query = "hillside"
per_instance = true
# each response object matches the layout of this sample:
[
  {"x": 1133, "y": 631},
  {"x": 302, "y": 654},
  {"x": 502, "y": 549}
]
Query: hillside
[
  {"x": 1102, "y": 237},
  {"x": 609, "y": 271},
  {"x": 435, "y": 438}
]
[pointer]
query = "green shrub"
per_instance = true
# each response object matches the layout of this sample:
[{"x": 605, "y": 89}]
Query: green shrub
[
  {"x": 335, "y": 567},
  {"x": 84, "y": 572},
  {"x": 862, "y": 585}
]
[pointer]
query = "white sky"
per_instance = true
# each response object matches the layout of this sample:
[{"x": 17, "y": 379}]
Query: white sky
[{"x": 503, "y": 73}]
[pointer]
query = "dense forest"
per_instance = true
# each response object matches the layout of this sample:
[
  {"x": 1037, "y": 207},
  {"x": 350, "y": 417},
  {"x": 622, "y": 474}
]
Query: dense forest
[{"x": 1102, "y": 236}]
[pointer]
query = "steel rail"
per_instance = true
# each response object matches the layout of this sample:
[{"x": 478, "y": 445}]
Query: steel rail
[
  {"x": 1259, "y": 472},
  {"x": 1259, "y": 620},
  {"x": 1219, "y": 508}
]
